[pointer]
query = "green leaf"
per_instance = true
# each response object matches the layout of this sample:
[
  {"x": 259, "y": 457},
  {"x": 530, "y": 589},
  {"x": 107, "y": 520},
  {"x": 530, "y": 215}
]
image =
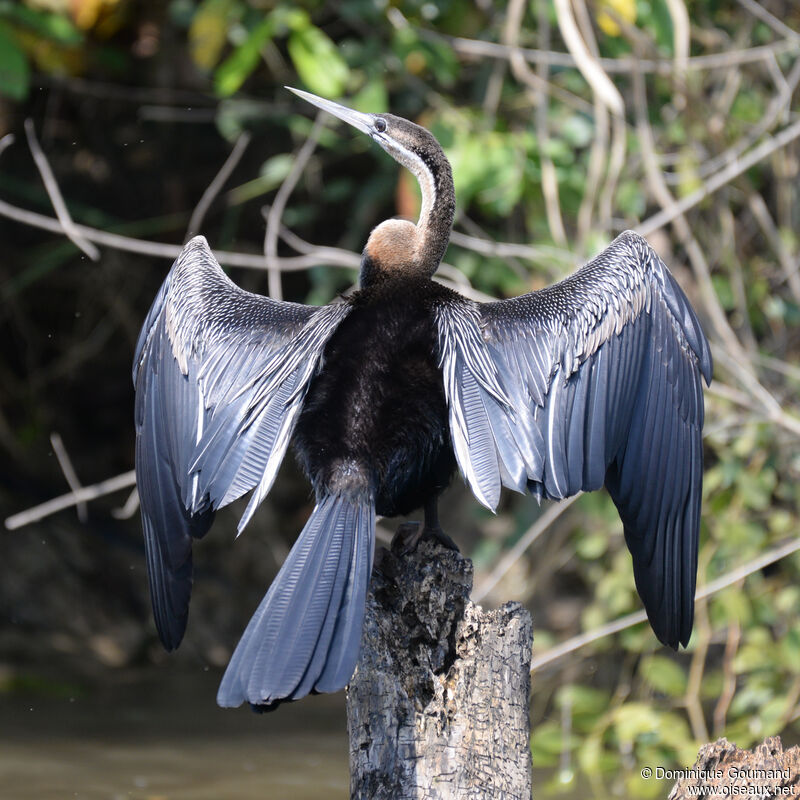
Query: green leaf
[
  {"x": 559, "y": 152},
  {"x": 689, "y": 179},
  {"x": 664, "y": 675},
  {"x": 209, "y": 32},
  {"x": 633, "y": 720},
  {"x": 733, "y": 604},
  {"x": 272, "y": 174},
  {"x": 591, "y": 546},
  {"x": 235, "y": 70},
  {"x": 56, "y": 27},
  {"x": 658, "y": 21},
  {"x": 758, "y": 652},
  {"x": 638, "y": 786},
  {"x": 712, "y": 685},
  {"x": 15, "y": 73},
  {"x": 583, "y": 699},
  {"x": 593, "y": 758},
  {"x": 419, "y": 56},
  {"x": 318, "y": 62},
  {"x": 789, "y": 649},
  {"x": 756, "y": 489},
  {"x": 371, "y": 99},
  {"x": 748, "y": 106},
  {"x": 547, "y": 742},
  {"x": 577, "y": 130},
  {"x": 724, "y": 292},
  {"x": 631, "y": 199}
]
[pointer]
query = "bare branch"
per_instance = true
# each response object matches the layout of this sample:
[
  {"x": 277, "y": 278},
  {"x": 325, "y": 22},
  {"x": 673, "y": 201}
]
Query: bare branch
[
  {"x": 780, "y": 27},
  {"x": 589, "y": 66},
  {"x": 680, "y": 37},
  {"x": 468, "y": 291},
  {"x": 770, "y": 230},
  {"x": 537, "y": 86},
  {"x": 603, "y": 88},
  {"x": 505, "y": 52},
  {"x": 524, "y": 542},
  {"x": 83, "y": 495},
  {"x": 472, "y": 228},
  {"x": 774, "y": 112},
  {"x": 727, "y": 60},
  {"x": 494, "y": 90},
  {"x": 784, "y": 368},
  {"x": 733, "y": 169},
  {"x": 449, "y": 273},
  {"x": 662, "y": 195},
  {"x": 728, "y": 677},
  {"x": 214, "y": 188},
  {"x": 598, "y": 152},
  {"x": 65, "y": 463},
  {"x": 281, "y": 198},
  {"x": 127, "y": 510},
  {"x": 171, "y": 251},
  {"x": 536, "y": 253},
  {"x": 628, "y": 621},
  {"x": 618, "y": 147},
  {"x": 6, "y": 142},
  {"x": 735, "y": 356},
  {"x": 768, "y": 407},
  {"x": 774, "y": 69},
  {"x": 697, "y": 664},
  {"x": 59, "y": 206}
]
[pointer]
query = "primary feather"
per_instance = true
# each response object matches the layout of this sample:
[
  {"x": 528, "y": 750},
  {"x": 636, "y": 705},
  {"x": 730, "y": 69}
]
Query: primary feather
[
  {"x": 220, "y": 376},
  {"x": 592, "y": 381}
]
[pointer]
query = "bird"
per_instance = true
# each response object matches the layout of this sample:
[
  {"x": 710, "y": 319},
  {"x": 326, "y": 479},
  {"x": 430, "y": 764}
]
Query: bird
[{"x": 385, "y": 393}]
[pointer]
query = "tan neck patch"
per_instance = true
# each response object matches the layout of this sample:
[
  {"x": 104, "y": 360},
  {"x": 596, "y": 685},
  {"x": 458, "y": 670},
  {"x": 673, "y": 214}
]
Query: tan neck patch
[{"x": 392, "y": 246}]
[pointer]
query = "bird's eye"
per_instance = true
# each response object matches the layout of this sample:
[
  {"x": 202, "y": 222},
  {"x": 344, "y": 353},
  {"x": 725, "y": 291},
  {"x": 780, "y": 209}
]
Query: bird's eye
[{"x": 380, "y": 124}]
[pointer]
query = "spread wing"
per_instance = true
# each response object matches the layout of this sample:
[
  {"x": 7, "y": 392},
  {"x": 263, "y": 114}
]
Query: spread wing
[
  {"x": 220, "y": 376},
  {"x": 594, "y": 380}
]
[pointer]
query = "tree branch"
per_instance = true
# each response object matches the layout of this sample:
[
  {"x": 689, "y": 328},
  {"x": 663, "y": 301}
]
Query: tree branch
[
  {"x": 628, "y": 621},
  {"x": 56, "y": 198},
  {"x": 213, "y": 188}
]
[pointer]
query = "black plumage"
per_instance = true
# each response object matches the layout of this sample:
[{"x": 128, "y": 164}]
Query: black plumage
[
  {"x": 379, "y": 401},
  {"x": 593, "y": 381}
]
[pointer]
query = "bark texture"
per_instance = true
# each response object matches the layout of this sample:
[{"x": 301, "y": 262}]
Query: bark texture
[
  {"x": 438, "y": 706},
  {"x": 720, "y": 766}
]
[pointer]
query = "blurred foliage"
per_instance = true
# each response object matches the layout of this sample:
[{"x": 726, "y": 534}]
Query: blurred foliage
[{"x": 624, "y": 702}]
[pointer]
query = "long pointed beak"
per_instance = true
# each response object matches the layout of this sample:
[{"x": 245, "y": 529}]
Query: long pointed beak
[{"x": 362, "y": 122}]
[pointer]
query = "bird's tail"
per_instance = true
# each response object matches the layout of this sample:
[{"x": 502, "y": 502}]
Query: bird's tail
[{"x": 306, "y": 633}]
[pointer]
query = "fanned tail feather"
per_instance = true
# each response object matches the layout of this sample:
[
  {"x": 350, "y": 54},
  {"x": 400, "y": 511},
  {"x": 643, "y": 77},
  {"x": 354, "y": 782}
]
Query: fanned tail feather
[{"x": 305, "y": 634}]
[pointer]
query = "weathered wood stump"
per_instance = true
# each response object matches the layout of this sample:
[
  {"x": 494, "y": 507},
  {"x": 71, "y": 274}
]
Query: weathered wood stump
[
  {"x": 720, "y": 766},
  {"x": 438, "y": 706}
]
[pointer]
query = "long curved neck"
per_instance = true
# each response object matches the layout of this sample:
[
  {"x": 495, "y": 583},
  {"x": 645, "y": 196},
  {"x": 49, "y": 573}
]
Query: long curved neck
[
  {"x": 398, "y": 247},
  {"x": 438, "y": 208}
]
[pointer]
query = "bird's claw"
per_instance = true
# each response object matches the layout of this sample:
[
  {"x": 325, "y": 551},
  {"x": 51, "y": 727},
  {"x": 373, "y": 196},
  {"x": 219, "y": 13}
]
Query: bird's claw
[{"x": 409, "y": 534}]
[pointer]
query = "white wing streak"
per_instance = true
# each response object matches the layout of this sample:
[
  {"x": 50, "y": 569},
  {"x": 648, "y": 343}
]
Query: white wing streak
[
  {"x": 220, "y": 376},
  {"x": 595, "y": 380}
]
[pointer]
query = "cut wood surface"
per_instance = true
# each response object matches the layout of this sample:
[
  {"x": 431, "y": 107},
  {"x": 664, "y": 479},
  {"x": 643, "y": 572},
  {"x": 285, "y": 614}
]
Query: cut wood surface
[
  {"x": 725, "y": 770},
  {"x": 438, "y": 707}
]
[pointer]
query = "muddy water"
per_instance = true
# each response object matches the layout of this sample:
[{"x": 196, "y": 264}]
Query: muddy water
[{"x": 160, "y": 736}]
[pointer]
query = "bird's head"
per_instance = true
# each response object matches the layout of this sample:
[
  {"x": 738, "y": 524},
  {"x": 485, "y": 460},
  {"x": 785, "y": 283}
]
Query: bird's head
[{"x": 399, "y": 246}]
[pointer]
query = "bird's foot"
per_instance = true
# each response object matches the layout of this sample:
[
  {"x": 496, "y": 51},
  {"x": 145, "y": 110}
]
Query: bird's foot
[{"x": 409, "y": 534}]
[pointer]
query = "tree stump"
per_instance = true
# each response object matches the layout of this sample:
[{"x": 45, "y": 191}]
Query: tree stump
[
  {"x": 720, "y": 766},
  {"x": 438, "y": 706}
]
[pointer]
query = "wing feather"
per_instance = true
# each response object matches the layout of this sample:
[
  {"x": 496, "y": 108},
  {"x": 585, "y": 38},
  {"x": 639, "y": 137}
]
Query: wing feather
[
  {"x": 592, "y": 381},
  {"x": 220, "y": 377}
]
